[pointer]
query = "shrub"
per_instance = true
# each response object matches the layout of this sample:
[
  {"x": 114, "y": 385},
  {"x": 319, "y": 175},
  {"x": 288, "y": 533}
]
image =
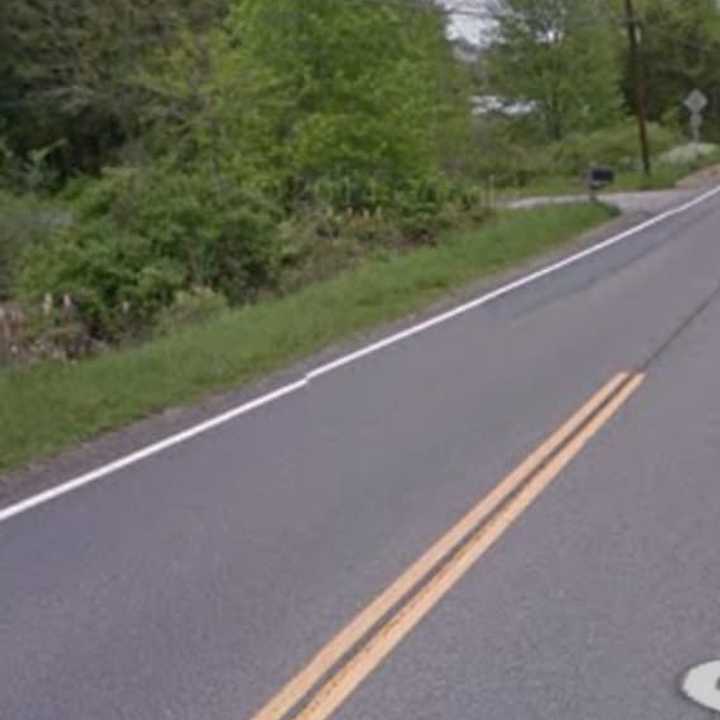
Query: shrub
[
  {"x": 691, "y": 156},
  {"x": 320, "y": 242},
  {"x": 116, "y": 280},
  {"x": 222, "y": 232},
  {"x": 57, "y": 334},
  {"x": 219, "y": 229},
  {"x": 139, "y": 237},
  {"x": 24, "y": 222},
  {"x": 190, "y": 307},
  {"x": 616, "y": 146},
  {"x": 515, "y": 164}
]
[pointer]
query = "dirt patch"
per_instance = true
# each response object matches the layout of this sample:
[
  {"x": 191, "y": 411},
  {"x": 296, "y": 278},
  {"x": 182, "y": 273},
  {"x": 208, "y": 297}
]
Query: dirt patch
[{"x": 708, "y": 177}]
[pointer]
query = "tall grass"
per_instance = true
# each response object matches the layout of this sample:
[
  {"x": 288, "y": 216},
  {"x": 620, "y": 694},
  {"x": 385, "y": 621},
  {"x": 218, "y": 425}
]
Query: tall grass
[{"x": 49, "y": 407}]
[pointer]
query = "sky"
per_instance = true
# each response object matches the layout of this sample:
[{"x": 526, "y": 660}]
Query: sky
[{"x": 464, "y": 25}]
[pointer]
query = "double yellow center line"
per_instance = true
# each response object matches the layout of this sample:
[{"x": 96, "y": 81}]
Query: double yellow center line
[{"x": 337, "y": 670}]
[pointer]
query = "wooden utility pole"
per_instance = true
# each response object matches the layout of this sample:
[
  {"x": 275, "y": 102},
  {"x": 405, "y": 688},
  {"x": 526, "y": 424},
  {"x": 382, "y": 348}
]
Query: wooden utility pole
[{"x": 638, "y": 81}]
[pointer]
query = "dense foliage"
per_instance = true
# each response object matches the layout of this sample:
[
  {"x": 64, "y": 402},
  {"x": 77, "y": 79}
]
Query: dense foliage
[
  {"x": 159, "y": 159},
  {"x": 681, "y": 49},
  {"x": 559, "y": 76},
  {"x": 182, "y": 138},
  {"x": 557, "y": 58},
  {"x": 70, "y": 71}
]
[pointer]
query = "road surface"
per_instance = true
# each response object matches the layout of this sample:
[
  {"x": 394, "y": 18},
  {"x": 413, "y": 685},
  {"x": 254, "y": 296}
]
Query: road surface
[{"x": 194, "y": 584}]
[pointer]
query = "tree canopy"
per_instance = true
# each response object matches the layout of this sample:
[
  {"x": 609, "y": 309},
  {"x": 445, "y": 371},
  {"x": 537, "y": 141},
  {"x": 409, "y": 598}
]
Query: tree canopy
[
  {"x": 151, "y": 148},
  {"x": 558, "y": 57},
  {"x": 681, "y": 52}
]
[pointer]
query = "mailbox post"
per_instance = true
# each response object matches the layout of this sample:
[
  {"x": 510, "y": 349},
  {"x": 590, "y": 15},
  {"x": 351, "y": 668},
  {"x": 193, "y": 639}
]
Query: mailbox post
[{"x": 599, "y": 177}]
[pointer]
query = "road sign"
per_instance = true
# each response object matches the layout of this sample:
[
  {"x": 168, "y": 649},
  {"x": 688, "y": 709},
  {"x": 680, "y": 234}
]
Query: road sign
[
  {"x": 696, "y": 102},
  {"x": 702, "y": 685}
]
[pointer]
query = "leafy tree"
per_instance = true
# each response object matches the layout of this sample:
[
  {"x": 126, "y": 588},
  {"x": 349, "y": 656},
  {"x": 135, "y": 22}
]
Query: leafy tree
[
  {"x": 359, "y": 91},
  {"x": 72, "y": 70},
  {"x": 557, "y": 58},
  {"x": 681, "y": 51},
  {"x": 280, "y": 109},
  {"x": 10, "y": 84}
]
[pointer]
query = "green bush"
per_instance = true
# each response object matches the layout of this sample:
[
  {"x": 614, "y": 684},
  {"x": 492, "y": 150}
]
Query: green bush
[
  {"x": 140, "y": 237},
  {"x": 116, "y": 280},
  {"x": 141, "y": 241},
  {"x": 222, "y": 232},
  {"x": 52, "y": 333},
  {"x": 190, "y": 307},
  {"x": 24, "y": 223},
  {"x": 616, "y": 146},
  {"x": 508, "y": 151}
]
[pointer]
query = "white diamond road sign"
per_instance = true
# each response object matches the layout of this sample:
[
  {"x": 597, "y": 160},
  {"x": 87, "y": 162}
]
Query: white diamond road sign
[{"x": 696, "y": 101}]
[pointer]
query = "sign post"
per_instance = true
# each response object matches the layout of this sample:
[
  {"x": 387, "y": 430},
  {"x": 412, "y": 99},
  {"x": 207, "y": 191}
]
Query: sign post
[{"x": 696, "y": 102}]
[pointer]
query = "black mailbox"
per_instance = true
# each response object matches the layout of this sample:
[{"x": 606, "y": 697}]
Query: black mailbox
[{"x": 599, "y": 177}]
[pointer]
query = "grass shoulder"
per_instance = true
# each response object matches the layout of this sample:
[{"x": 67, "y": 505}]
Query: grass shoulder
[
  {"x": 49, "y": 407},
  {"x": 665, "y": 176}
]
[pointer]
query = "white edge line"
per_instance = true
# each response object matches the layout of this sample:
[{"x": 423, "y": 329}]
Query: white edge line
[
  {"x": 505, "y": 289},
  {"x": 184, "y": 436},
  {"x": 148, "y": 451}
]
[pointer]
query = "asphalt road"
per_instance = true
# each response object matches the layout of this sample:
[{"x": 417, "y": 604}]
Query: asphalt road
[{"x": 194, "y": 584}]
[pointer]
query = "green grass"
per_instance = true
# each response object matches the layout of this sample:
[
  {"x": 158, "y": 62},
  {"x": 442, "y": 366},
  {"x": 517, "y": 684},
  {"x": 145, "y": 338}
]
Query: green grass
[
  {"x": 47, "y": 408},
  {"x": 664, "y": 176}
]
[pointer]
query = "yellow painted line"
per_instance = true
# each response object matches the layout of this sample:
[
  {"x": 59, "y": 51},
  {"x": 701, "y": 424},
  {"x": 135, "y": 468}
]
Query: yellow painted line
[
  {"x": 337, "y": 690},
  {"x": 324, "y": 661}
]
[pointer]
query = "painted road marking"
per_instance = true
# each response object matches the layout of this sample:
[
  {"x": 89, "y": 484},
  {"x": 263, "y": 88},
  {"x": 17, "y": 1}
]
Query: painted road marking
[
  {"x": 342, "y": 643},
  {"x": 445, "y": 564},
  {"x": 511, "y": 287},
  {"x": 179, "y": 438},
  {"x": 148, "y": 451},
  {"x": 702, "y": 685}
]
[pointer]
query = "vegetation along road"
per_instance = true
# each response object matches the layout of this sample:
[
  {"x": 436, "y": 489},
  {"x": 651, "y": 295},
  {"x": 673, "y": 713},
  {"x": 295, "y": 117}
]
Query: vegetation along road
[{"x": 324, "y": 389}]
